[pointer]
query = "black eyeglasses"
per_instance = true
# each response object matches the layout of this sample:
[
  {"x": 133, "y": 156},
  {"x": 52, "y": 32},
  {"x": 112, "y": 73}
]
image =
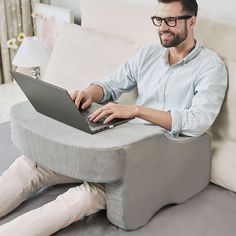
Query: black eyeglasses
[{"x": 170, "y": 21}]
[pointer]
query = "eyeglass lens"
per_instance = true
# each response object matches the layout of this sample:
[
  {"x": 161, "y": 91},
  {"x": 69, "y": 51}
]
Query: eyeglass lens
[{"x": 169, "y": 21}]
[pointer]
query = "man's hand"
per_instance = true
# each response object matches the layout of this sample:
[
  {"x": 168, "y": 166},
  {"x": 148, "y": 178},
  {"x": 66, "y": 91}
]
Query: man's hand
[
  {"x": 112, "y": 111},
  {"x": 82, "y": 99}
]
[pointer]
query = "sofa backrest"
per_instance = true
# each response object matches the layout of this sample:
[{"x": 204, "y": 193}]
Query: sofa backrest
[
  {"x": 112, "y": 31},
  {"x": 217, "y": 35},
  {"x": 130, "y": 21}
]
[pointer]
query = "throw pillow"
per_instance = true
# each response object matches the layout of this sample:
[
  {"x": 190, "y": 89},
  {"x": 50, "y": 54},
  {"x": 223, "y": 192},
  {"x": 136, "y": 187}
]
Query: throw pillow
[
  {"x": 224, "y": 137},
  {"x": 82, "y": 56}
]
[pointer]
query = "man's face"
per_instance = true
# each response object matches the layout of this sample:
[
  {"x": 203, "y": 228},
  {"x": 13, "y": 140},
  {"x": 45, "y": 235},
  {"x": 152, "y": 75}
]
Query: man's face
[{"x": 171, "y": 36}]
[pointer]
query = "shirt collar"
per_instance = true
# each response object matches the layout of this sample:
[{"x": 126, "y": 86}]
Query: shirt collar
[{"x": 185, "y": 60}]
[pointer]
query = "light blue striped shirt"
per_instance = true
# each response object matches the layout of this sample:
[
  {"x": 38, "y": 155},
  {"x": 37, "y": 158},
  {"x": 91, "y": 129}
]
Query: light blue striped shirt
[{"x": 192, "y": 89}]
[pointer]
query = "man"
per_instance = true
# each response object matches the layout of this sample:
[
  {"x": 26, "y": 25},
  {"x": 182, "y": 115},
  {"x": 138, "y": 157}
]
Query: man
[{"x": 181, "y": 87}]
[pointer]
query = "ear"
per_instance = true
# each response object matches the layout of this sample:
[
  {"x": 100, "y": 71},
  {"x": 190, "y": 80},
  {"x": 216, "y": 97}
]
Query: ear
[{"x": 192, "y": 21}]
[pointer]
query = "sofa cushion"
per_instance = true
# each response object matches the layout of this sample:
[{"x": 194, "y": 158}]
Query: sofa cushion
[
  {"x": 217, "y": 35},
  {"x": 82, "y": 56},
  {"x": 130, "y": 20},
  {"x": 224, "y": 136}
]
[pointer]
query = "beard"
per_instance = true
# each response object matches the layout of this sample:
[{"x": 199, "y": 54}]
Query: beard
[{"x": 175, "y": 39}]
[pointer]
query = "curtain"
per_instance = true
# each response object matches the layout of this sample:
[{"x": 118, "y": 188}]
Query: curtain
[{"x": 15, "y": 17}]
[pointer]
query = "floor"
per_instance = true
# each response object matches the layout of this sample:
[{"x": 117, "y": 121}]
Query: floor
[{"x": 10, "y": 94}]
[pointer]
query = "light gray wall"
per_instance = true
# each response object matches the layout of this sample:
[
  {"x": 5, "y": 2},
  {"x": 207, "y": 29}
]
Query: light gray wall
[{"x": 213, "y": 8}]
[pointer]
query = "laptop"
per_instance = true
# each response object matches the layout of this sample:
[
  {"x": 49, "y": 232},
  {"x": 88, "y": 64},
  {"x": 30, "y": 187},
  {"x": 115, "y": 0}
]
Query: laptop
[{"x": 55, "y": 102}]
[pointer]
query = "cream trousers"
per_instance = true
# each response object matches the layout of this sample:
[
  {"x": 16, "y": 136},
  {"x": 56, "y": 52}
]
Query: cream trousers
[{"x": 24, "y": 177}]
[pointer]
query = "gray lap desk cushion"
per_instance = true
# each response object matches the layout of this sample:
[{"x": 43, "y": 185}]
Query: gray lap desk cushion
[
  {"x": 215, "y": 204},
  {"x": 143, "y": 169}
]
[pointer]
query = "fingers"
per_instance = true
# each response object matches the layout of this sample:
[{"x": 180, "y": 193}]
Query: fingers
[
  {"x": 81, "y": 99},
  {"x": 97, "y": 113},
  {"x": 109, "y": 119},
  {"x": 107, "y": 110},
  {"x": 86, "y": 104},
  {"x": 73, "y": 95},
  {"x": 101, "y": 115}
]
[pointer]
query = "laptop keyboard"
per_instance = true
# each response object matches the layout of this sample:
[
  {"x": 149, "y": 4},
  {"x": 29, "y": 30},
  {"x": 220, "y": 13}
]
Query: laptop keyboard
[
  {"x": 86, "y": 113},
  {"x": 90, "y": 123}
]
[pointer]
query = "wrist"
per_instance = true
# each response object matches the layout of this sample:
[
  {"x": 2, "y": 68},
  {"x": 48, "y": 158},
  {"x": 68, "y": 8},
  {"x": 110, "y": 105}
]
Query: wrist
[{"x": 136, "y": 111}]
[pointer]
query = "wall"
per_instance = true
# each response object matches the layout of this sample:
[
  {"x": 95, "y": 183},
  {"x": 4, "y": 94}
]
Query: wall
[{"x": 213, "y": 8}]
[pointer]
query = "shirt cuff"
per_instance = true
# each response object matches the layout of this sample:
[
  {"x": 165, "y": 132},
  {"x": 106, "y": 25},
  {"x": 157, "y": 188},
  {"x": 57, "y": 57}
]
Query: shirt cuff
[{"x": 176, "y": 123}]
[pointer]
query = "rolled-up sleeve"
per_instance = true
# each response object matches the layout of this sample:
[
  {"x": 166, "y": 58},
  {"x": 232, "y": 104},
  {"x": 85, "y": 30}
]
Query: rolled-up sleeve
[
  {"x": 122, "y": 81},
  {"x": 125, "y": 78},
  {"x": 209, "y": 95}
]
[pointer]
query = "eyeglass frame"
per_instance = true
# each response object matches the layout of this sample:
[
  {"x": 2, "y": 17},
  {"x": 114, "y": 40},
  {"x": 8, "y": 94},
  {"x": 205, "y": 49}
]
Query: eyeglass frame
[{"x": 165, "y": 19}]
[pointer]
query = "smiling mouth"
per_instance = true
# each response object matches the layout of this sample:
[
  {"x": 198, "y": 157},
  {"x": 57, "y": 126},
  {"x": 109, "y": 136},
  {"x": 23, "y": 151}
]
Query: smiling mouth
[{"x": 166, "y": 35}]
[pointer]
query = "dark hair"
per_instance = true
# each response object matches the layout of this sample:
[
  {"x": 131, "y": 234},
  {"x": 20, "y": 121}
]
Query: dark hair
[{"x": 189, "y": 6}]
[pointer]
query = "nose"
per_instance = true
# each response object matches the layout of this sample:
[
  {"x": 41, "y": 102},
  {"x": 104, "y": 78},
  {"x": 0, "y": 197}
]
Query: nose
[{"x": 163, "y": 26}]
